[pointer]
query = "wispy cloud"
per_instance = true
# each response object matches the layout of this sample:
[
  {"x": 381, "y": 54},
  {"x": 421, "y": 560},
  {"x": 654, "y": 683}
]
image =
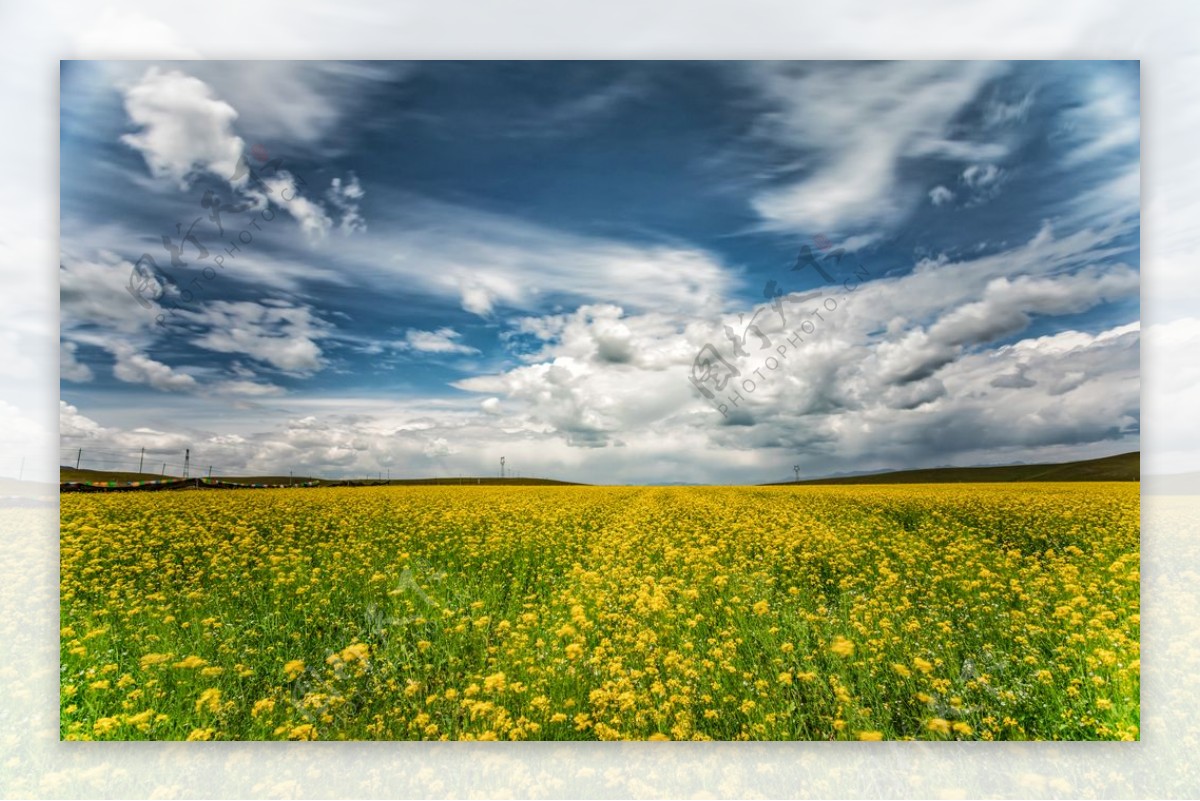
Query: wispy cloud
[
  {"x": 443, "y": 340},
  {"x": 850, "y": 126}
]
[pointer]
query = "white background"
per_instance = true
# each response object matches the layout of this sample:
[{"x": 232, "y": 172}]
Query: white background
[{"x": 1161, "y": 33}]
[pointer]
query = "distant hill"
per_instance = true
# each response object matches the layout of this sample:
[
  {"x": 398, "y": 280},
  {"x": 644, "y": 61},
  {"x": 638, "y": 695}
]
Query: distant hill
[
  {"x": 1122, "y": 467},
  {"x": 101, "y": 476},
  {"x": 75, "y": 474}
]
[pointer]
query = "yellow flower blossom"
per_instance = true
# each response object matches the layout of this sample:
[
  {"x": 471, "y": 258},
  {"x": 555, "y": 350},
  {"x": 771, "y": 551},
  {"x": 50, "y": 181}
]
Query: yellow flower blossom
[{"x": 842, "y": 646}]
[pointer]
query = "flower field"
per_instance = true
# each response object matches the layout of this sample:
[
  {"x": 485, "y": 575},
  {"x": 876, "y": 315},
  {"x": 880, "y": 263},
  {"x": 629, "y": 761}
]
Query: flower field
[{"x": 988, "y": 611}]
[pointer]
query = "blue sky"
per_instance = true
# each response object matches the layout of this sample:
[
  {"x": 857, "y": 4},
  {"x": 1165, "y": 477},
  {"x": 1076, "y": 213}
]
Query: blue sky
[{"x": 443, "y": 263}]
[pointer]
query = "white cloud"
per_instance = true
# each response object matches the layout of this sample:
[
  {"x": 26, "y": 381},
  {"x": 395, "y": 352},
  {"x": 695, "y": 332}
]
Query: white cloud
[
  {"x": 300, "y": 102},
  {"x": 442, "y": 340},
  {"x": 1006, "y": 307},
  {"x": 103, "y": 292},
  {"x": 185, "y": 129},
  {"x": 254, "y": 389},
  {"x": 438, "y": 447},
  {"x": 274, "y": 332},
  {"x": 134, "y": 367},
  {"x": 922, "y": 389},
  {"x": 983, "y": 182},
  {"x": 72, "y": 424},
  {"x": 1109, "y": 120},
  {"x": 940, "y": 196},
  {"x": 979, "y": 176},
  {"x": 999, "y": 113},
  {"x": 612, "y": 372},
  {"x": 851, "y": 124},
  {"x": 478, "y": 299},
  {"x": 344, "y": 195},
  {"x": 489, "y": 261},
  {"x": 313, "y": 219},
  {"x": 94, "y": 278},
  {"x": 71, "y": 369}
]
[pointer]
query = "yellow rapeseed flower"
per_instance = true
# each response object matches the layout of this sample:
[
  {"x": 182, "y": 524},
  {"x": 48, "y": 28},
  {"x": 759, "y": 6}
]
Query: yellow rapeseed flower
[
  {"x": 149, "y": 660},
  {"x": 209, "y": 701},
  {"x": 841, "y": 646},
  {"x": 191, "y": 662},
  {"x": 104, "y": 726},
  {"x": 938, "y": 726}
]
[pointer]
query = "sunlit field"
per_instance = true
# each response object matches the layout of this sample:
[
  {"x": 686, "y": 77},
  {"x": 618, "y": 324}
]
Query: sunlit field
[{"x": 999, "y": 611}]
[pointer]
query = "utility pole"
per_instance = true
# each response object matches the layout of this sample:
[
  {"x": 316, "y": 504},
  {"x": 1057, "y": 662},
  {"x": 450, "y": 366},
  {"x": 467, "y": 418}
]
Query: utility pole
[
  {"x": 164, "y": 472},
  {"x": 797, "y": 469},
  {"x": 142, "y": 458},
  {"x": 501, "y": 467},
  {"x": 210, "y": 471},
  {"x": 78, "y": 456},
  {"x": 187, "y": 461}
]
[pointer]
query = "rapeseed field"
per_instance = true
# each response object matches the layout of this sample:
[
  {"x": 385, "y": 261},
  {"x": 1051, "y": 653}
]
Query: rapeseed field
[{"x": 932, "y": 612}]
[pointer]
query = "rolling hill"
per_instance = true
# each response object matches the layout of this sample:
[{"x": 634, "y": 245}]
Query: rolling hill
[
  {"x": 102, "y": 476},
  {"x": 1122, "y": 467}
]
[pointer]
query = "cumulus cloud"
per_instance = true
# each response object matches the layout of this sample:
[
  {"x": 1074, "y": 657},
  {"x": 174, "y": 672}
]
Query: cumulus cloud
[
  {"x": 1006, "y": 307},
  {"x": 931, "y": 380},
  {"x": 1014, "y": 380},
  {"x": 72, "y": 424},
  {"x": 599, "y": 377},
  {"x": 581, "y": 418},
  {"x": 134, "y": 367},
  {"x": 185, "y": 129}
]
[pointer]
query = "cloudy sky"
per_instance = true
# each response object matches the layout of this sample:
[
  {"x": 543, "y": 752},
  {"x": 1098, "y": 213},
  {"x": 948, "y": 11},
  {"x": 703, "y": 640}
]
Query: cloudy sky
[{"x": 422, "y": 267}]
